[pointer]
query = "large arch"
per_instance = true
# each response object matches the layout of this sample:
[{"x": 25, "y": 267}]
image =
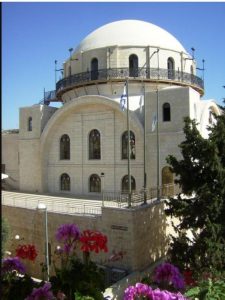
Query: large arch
[{"x": 67, "y": 111}]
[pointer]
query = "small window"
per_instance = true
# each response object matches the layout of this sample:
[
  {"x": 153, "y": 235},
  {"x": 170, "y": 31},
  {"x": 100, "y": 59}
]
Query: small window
[
  {"x": 65, "y": 147},
  {"x": 125, "y": 184},
  {"x": 94, "y": 144},
  {"x": 166, "y": 112},
  {"x": 29, "y": 125},
  {"x": 95, "y": 183},
  {"x": 125, "y": 145},
  {"x": 133, "y": 65},
  {"x": 94, "y": 69},
  {"x": 171, "y": 68},
  {"x": 65, "y": 182}
]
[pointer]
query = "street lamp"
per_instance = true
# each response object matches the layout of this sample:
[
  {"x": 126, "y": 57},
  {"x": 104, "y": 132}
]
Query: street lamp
[
  {"x": 202, "y": 69},
  {"x": 103, "y": 187},
  {"x": 43, "y": 207}
]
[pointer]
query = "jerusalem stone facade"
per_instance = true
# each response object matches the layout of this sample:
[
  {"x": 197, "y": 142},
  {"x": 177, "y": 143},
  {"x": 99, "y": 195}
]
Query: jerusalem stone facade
[{"x": 80, "y": 149}]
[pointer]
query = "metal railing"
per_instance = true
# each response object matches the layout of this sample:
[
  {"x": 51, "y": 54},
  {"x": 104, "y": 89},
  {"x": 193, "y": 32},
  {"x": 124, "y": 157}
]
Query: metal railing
[
  {"x": 138, "y": 197},
  {"x": 153, "y": 74},
  {"x": 54, "y": 204},
  {"x": 73, "y": 206}
]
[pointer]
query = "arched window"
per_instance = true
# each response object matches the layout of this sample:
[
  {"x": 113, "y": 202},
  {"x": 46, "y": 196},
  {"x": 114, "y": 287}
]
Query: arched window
[
  {"x": 125, "y": 185},
  {"x": 94, "y": 144},
  {"x": 167, "y": 182},
  {"x": 166, "y": 112},
  {"x": 133, "y": 65},
  {"x": 95, "y": 183},
  {"x": 65, "y": 147},
  {"x": 171, "y": 68},
  {"x": 65, "y": 182},
  {"x": 94, "y": 69},
  {"x": 125, "y": 145},
  {"x": 29, "y": 124}
]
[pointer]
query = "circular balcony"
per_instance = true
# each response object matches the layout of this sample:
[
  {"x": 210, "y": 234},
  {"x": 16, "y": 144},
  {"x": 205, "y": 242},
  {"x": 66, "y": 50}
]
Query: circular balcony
[{"x": 120, "y": 74}]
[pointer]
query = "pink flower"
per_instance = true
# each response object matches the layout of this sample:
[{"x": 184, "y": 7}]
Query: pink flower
[
  {"x": 69, "y": 234},
  {"x": 42, "y": 293},
  {"x": 169, "y": 274},
  {"x": 11, "y": 264}
]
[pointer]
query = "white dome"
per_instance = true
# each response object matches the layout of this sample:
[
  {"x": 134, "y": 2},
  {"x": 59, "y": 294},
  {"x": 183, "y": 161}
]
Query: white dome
[{"x": 130, "y": 33}]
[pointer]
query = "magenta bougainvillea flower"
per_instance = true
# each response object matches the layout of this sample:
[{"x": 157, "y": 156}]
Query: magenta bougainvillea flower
[
  {"x": 143, "y": 291},
  {"x": 11, "y": 264},
  {"x": 167, "y": 273},
  {"x": 41, "y": 293}
]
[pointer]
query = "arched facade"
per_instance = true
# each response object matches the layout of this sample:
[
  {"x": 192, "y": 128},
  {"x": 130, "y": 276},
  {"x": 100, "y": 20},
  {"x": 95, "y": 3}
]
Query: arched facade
[
  {"x": 92, "y": 152},
  {"x": 88, "y": 135}
]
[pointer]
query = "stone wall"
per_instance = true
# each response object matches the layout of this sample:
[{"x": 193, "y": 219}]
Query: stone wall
[
  {"x": 140, "y": 233},
  {"x": 11, "y": 159}
]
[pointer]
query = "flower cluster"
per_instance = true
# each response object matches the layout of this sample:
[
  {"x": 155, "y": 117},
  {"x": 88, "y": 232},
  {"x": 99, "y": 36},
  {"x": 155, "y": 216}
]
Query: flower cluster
[
  {"x": 188, "y": 278},
  {"x": 43, "y": 293},
  {"x": 141, "y": 290},
  {"x": 12, "y": 264},
  {"x": 93, "y": 241},
  {"x": 26, "y": 252},
  {"x": 69, "y": 234},
  {"x": 168, "y": 274}
]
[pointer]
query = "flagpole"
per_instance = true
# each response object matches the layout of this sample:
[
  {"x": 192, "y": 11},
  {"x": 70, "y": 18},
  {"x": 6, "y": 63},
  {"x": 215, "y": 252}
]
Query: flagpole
[
  {"x": 145, "y": 176},
  {"x": 128, "y": 147},
  {"x": 157, "y": 128},
  {"x": 157, "y": 141}
]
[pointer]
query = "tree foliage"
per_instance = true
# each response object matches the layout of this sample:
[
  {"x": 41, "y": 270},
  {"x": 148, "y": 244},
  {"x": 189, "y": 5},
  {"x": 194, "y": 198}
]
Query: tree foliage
[
  {"x": 200, "y": 208},
  {"x": 5, "y": 231}
]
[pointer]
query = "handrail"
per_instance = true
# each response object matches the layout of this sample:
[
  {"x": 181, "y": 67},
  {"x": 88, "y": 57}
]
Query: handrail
[{"x": 150, "y": 74}]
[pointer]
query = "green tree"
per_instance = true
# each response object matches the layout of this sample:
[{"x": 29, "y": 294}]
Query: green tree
[{"x": 200, "y": 208}]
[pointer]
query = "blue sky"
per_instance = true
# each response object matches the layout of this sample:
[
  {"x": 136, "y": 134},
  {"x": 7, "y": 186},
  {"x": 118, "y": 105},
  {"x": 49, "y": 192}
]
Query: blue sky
[{"x": 34, "y": 35}]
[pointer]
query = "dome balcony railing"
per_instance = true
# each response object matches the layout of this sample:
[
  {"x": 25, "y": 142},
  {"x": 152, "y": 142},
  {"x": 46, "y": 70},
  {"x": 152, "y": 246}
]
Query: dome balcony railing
[{"x": 146, "y": 74}]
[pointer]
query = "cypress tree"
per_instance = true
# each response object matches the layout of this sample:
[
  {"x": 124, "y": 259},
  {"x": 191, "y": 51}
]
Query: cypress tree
[{"x": 200, "y": 207}]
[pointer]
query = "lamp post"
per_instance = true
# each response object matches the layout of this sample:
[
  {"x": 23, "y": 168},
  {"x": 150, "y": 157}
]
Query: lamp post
[
  {"x": 56, "y": 70},
  {"x": 202, "y": 69},
  {"x": 43, "y": 207},
  {"x": 103, "y": 186}
]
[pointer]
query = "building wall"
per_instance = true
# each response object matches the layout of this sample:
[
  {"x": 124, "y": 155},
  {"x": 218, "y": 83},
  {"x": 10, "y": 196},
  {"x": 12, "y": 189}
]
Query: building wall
[
  {"x": 139, "y": 233},
  {"x": 29, "y": 145},
  {"x": 11, "y": 159},
  {"x": 77, "y": 119},
  {"x": 118, "y": 57}
]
